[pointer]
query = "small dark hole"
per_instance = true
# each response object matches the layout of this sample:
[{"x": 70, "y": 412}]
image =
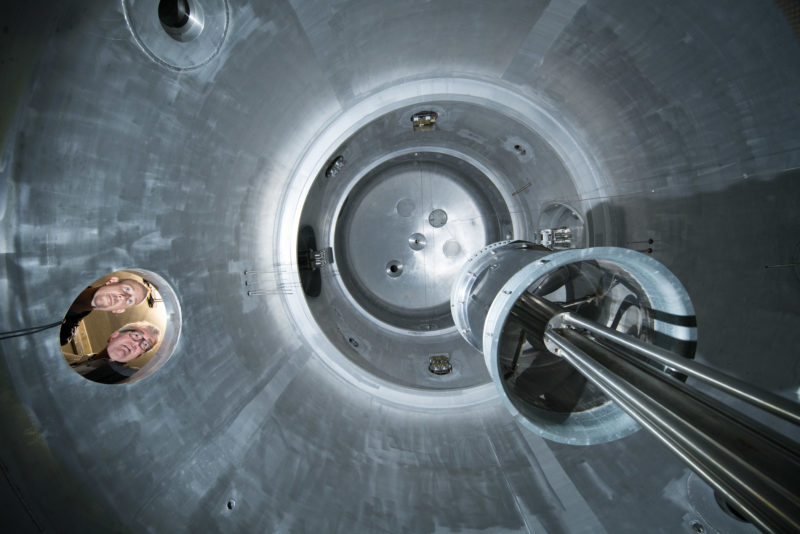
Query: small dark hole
[
  {"x": 393, "y": 268},
  {"x": 173, "y": 13},
  {"x": 353, "y": 342},
  {"x": 698, "y": 527},
  {"x": 231, "y": 504}
]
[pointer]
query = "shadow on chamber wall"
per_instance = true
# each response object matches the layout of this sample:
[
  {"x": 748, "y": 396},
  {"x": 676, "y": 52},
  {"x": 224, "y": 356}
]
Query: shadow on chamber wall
[{"x": 736, "y": 250}]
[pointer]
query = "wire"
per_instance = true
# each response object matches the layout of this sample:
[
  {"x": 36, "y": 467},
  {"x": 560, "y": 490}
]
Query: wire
[{"x": 27, "y": 331}]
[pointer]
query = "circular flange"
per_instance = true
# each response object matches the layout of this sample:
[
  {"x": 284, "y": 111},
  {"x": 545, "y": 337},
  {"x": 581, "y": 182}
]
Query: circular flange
[
  {"x": 417, "y": 241},
  {"x": 557, "y": 215},
  {"x": 327, "y": 325},
  {"x": 607, "y": 421},
  {"x": 184, "y": 43}
]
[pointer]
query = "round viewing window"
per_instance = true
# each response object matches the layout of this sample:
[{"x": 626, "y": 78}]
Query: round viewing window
[{"x": 121, "y": 328}]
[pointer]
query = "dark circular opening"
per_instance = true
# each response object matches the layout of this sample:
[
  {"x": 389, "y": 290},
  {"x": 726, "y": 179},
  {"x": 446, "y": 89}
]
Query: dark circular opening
[
  {"x": 231, "y": 504},
  {"x": 173, "y": 13},
  {"x": 698, "y": 527}
]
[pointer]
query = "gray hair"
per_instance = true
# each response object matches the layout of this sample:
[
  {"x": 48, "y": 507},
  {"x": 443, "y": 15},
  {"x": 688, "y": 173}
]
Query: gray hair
[{"x": 142, "y": 325}]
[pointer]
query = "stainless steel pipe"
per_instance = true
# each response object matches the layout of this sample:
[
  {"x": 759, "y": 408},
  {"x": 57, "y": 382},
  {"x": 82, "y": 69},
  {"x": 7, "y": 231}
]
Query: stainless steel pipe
[
  {"x": 754, "y": 467},
  {"x": 765, "y": 400}
]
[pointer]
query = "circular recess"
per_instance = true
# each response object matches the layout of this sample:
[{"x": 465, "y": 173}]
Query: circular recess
[
  {"x": 173, "y": 13},
  {"x": 371, "y": 238},
  {"x": 437, "y": 218},
  {"x": 451, "y": 248},
  {"x": 310, "y": 278},
  {"x": 121, "y": 328},
  {"x": 405, "y": 207},
  {"x": 561, "y": 227},
  {"x": 178, "y": 34},
  {"x": 181, "y": 19},
  {"x": 394, "y": 268},
  {"x": 439, "y": 364},
  {"x": 417, "y": 241}
]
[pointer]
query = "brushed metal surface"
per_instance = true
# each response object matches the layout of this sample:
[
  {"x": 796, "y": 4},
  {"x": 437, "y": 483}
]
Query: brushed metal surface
[{"x": 672, "y": 121}]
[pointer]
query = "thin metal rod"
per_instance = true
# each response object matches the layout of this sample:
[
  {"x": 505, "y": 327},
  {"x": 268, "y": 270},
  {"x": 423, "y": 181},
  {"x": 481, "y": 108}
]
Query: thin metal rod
[
  {"x": 757, "y": 473},
  {"x": 517, "y": 354},
  {"x": 766, "y": 400}
]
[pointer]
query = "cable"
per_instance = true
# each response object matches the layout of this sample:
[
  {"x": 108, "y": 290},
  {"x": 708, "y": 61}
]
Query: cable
[{"x": 27, "y": 331}]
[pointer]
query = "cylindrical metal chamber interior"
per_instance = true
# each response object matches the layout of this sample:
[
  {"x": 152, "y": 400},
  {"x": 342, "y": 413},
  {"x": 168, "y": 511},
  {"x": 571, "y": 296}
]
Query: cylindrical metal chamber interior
[{"x": 200, "y": 153}]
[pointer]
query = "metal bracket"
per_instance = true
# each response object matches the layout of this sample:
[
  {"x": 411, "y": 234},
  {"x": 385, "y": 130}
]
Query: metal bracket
[{"x": 556, "y": 238}]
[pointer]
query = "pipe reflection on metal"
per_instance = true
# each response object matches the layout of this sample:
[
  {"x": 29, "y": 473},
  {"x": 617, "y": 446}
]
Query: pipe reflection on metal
[
  {"x": 763, "y": 399},
  {"x": 756, "y": 468}
]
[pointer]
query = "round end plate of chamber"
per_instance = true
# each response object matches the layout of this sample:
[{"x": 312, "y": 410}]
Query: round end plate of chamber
[
  {"x": 404, "y": 232},
  {"x": 402, "y": 210}
]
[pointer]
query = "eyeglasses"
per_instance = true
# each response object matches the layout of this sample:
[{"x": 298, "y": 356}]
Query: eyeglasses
[{"x": 140, "y": 339}]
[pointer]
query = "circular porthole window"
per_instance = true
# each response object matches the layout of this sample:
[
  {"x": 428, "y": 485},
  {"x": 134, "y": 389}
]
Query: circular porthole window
[{"x": 121, "y": 328}]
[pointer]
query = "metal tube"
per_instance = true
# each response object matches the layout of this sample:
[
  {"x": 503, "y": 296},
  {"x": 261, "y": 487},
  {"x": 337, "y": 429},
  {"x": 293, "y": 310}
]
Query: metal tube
[
  {"x": 766, "y": 400},
  {"x": 524, "y": 316},
  {"x": 538, "y": 306},
  {"x": 757, "y": 469},
  {"x": 748, "y": 463}
]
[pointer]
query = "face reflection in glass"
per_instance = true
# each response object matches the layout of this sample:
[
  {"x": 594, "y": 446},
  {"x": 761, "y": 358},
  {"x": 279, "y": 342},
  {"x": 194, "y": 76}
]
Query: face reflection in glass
[
  {"x": 125, "y": 346},
  {"x": 118, "y": 295}
]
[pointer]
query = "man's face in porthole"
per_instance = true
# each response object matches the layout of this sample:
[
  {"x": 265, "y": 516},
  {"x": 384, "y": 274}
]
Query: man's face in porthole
[
  {"x": 118, "y": 295},
  {"x": 125, "y": 346}
]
